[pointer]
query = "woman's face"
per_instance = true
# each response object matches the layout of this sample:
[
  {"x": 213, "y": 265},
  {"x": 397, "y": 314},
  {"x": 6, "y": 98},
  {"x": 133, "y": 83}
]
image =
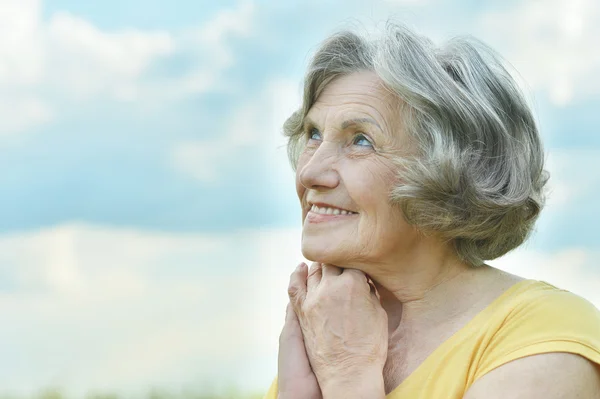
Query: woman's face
[{"x": 345, "y": 174}]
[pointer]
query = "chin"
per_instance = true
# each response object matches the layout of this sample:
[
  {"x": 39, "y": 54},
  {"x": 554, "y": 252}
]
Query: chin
[{"x": 320, "y": 251}]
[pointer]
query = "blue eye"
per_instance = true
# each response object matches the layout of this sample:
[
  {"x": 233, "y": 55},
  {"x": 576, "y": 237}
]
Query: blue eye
[
  {"x": 314, "y": 134},
  {"x": 362, "y": 141}
]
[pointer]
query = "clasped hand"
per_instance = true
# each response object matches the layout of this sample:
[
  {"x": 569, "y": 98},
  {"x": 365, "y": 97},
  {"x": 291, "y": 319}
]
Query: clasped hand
[{"x": 335, "y": 332}]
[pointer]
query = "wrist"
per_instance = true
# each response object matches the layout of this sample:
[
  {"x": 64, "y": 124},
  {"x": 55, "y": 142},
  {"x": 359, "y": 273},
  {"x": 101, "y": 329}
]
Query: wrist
[{"x": 358, "y": 386}]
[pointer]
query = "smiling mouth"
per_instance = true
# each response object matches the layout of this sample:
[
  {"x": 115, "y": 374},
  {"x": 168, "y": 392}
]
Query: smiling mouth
[{"x": 330, "y": 211}]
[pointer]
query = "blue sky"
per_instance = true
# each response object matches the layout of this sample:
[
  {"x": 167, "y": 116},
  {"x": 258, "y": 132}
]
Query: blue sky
[
  {"x": 147, "y": 135},
  {"x": 103, "y": 159}
]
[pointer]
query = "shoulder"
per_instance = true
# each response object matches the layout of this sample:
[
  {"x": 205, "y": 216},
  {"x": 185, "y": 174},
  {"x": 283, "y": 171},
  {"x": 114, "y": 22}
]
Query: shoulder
[
  {"x": 546, "y": 343},
  {"x": 540, "y": 317},
  {"x": 538, "y": 307},
  {"x": 546, "y": 375},
  {"x": 548, "y": 308}
]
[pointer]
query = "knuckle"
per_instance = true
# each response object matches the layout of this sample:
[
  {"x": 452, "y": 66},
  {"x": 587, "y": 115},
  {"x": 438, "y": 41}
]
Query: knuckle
[
  {"x": 313, "y": 269},
  {"x": 292, "y": 290},
  {"x": 351, "y": 281},
  {"x": 309, "y": 306}
]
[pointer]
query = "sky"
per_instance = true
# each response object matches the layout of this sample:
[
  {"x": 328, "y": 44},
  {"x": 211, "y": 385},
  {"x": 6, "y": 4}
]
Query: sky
[{"x": 149, "y": 222}]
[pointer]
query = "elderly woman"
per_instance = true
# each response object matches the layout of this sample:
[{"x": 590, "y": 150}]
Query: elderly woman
[{"x": 414, "y": 165}]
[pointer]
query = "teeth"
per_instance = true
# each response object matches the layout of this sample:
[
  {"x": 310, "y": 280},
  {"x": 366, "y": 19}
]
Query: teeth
[{"x": 330, "y": 211}]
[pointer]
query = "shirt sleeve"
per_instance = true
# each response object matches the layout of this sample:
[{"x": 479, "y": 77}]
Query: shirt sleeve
[
  {"x": 272, "y": 392},
  {"x": 551, "y": 321}
]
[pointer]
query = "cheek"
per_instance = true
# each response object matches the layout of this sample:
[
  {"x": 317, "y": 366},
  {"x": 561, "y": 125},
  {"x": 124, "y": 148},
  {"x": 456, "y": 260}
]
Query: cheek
[{"x": 372, "y": 184}]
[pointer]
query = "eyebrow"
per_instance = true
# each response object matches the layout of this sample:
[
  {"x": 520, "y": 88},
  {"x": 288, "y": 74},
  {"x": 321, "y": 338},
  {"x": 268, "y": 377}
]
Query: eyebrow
[
  {"x": 358, "y": 121},
  {"x": 347, "y": 123}
]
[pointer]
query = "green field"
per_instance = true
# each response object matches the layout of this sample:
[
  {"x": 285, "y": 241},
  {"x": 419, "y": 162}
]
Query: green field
[{"x": 154, "y": 394}]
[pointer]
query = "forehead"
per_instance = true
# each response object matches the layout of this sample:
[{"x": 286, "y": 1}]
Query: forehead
[{"x": 357, "y": 94}]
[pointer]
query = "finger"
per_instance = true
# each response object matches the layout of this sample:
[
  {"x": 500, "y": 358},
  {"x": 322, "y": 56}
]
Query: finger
[
  {"x": 297, "y": 286},
  {"x": 314, "y": 276},
  {"x": 331, "y": 270},
  {"x": 357, "y": 276},
  {"x": 373, "y": 288},
  {"x": 291, "y": 319},
  {"x": 288, "y": 312}
]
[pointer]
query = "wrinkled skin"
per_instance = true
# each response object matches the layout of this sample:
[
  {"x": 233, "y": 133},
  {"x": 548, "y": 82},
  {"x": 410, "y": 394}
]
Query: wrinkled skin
[
  {"x": 343, "y": 324},
  {"x": 337, "y": 312}
]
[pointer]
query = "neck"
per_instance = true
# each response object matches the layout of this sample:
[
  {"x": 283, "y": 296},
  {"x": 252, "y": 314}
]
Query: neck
[
  {"x": 415, "y": 290},
  {"x": 421, "y": 299}
]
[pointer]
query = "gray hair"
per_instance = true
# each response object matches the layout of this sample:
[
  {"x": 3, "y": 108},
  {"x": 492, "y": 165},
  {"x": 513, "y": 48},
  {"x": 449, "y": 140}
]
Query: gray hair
[{"x": 478, "y": 178}]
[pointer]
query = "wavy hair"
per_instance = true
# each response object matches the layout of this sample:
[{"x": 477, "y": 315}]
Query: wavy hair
[{"x": 478, "y": 177}]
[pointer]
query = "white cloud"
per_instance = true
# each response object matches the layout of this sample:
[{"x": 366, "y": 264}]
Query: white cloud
[
  {"x": 256, "y": 127},
  {"x": 407, "y": 2},
  {"x": 572, "y": 269},
  {"x": 209, "y": 44},
  {"x": 88, "y": 62},
  {"x": 21, "y": 67},
  {"x": 18, "y": 113},
  {"x": 202, "y": 160},
  {"x": 65, "y": 58},
  {"x": 228, "y": 22},
  {"x": 21, "y": 52},
  {"x": 124, "y": 309},
  {"x": 567, "y": 182},
  {"x": 54, "y": 63},
  {"x": 553, "y": 44}
]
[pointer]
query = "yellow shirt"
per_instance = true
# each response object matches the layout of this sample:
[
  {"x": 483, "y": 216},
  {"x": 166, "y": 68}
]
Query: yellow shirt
[{"x": 531, "y": 317}]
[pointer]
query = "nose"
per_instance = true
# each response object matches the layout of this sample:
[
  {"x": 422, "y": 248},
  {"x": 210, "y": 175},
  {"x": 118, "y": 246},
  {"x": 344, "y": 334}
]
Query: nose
[{"x": 319, "y": 172}]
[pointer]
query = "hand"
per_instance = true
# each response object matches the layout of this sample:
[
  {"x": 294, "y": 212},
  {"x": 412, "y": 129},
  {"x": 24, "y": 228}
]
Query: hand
[
  {"x": 342, "y": 321},
  {"x": 295, "y": 378}
]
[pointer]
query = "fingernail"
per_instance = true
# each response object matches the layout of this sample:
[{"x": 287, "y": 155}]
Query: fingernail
[{"x": 300, "y": 266}]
